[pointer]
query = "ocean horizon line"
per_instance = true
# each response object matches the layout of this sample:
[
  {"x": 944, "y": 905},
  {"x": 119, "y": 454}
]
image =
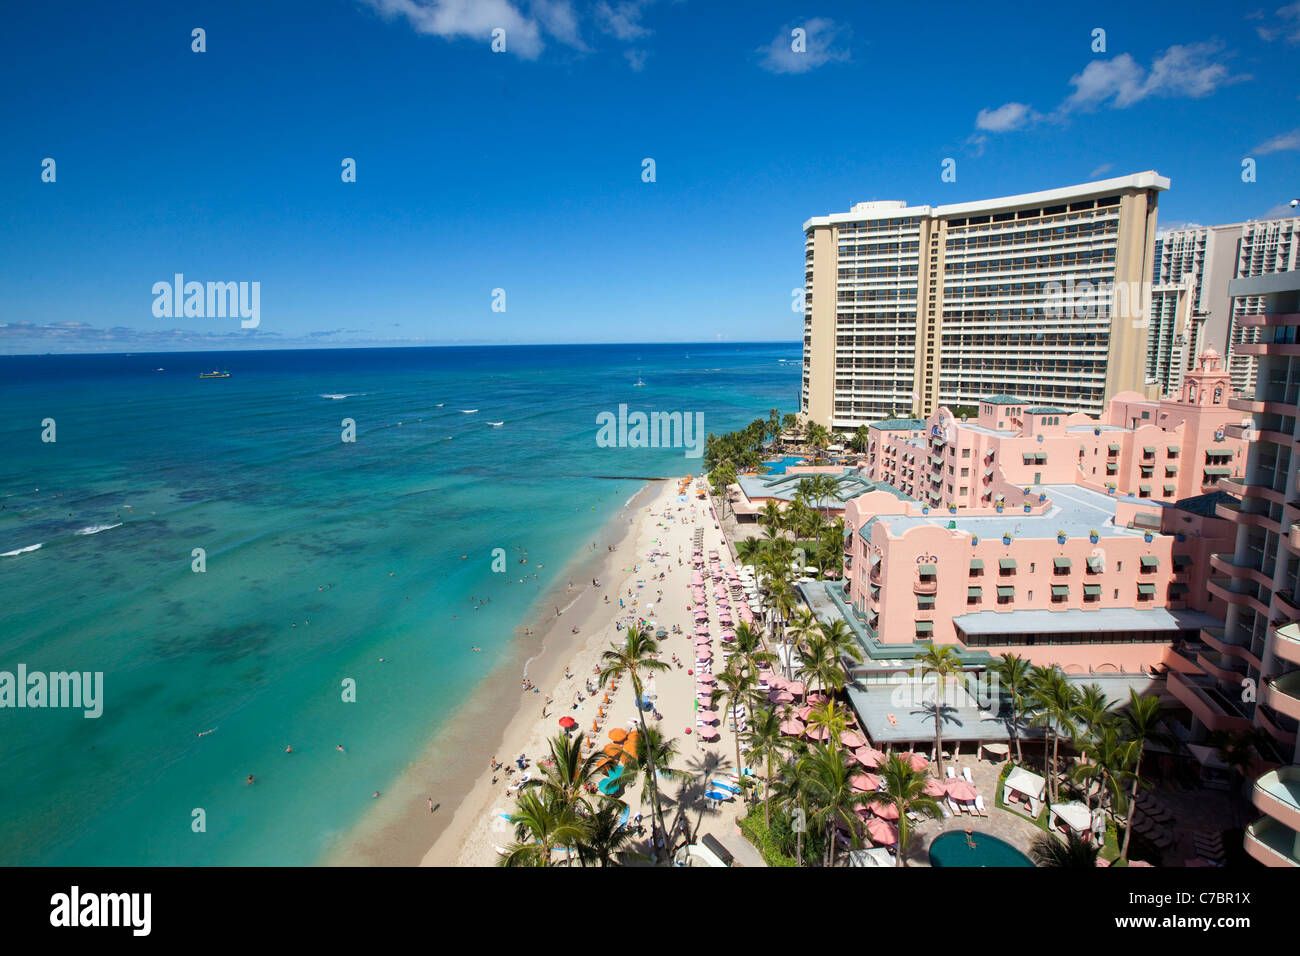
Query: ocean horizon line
[{"x": 404, "y": 346}]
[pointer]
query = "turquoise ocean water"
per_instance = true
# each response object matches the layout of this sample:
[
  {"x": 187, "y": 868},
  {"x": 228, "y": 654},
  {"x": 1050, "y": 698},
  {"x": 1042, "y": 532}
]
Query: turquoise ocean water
[{"x": 364, "y": 540}]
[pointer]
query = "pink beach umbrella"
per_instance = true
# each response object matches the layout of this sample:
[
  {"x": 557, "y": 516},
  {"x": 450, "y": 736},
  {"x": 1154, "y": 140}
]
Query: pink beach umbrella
[
  {"x": 779, "y": 696},
  {"x": 960, "y": 790},
  {"x": 864, "y": 782},
  {"x": 705, "y": 679},
  {"x": 819, "y": 699},
  {"x": 885, "y": 811},
  {"x": 707, "y": 715},
  {"x": 882, "y": 833},
  {"x": 791, "y": 727},
  {"x": 852, "y": 739},
  {"x": 701, "y": 615},
  {"x": 867, "y": 757},
  {"x": 816, "y": 733},
  {"x": 795, "y": 687},
  {"x": 802, "y": 712},
  {"x": 933, "y": 788},
  {"x": 919, "y": 761},
  {"x": 708, "y": 733}
]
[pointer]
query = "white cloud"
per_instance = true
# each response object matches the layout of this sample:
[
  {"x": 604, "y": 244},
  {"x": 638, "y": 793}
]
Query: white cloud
[
  {"x": 1101, "y": 170},
  {"x": 1164, "y": 228},
  {"x": 1183, "y": 71},
  {"x": 1281, "y": 211},
  {"x": 1279, "y": 143},
  {"x": 635, "y": 59},
  {"x": 1287, "y": 25},
  {"x": 1008, "y": 116},
  {"x": 824, "y": 42},
  {"x": 476, "y": 19},
  {"x": 623, "y": 20}
]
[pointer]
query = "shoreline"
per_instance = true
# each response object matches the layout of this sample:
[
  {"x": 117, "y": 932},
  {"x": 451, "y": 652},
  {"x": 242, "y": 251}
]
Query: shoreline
[{"x": 450, "y": 767}]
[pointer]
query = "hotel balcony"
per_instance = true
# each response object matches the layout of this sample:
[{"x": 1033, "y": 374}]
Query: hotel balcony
[
  {"x": 1242, "y": 489},
  {"x": 1277, "y": 793},
  {"x": 1272, "y": 724},
  {"x": 1211, "y": 706},
  {"x": 1287, "y": 603},
  {"x": 1286, "y": 642},
  {"x": 1267, "y": 348},
  {"x": 1273, "y": 843},
  {"x": 925, "y": 587},
  {"x": 875, "y": 577},
  {"x": 1282, "y": 693},
  {"x": 1268, "y": 319},
  {"x": 1214, "y": 637},
  {"x": 1224, "y": 565},
  {"x": 1248, "y": 596},
  {"x": 1272, "y": 402},
  {"x": 1293, "y": 537},
  {"x": 1216, "y": 669},
  {"x": 1234, "y": 512}
]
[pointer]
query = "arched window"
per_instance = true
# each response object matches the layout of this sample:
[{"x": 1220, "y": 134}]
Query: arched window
[
  {"x": 1218, "y": 394},
  {"x": 1191, "y": 392}
]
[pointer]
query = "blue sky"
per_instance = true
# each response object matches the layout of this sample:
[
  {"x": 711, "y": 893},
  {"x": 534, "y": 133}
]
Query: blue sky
[{"x": 522, "y": 170}]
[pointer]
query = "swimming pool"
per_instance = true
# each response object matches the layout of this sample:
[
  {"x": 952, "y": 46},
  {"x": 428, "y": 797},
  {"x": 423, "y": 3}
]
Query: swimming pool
[
  {"x": 779, "y": 466},
  {"x": 950, "y": 849}
]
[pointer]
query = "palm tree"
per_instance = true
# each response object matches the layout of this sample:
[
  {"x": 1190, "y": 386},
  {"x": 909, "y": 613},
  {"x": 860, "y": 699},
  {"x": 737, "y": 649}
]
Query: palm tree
[
  {"x": 747, "y": 648},
  {"x": 566, "y": 776},
  {"x": 861, "y": 438},
  {"x": 1141, "y": 723},
  {"x": 763, "y": 737},
  {"x": 1013, "y": 674},
  {"x": 790, "y": 795},
  {"x": 748, "y": 550},
  {"x": 635, "y": 657},
  {"x": 737, "y": 686},
  {"x": 1108, "y": 764},
  {"x": 841, "y": 641},
  {"x": 832, "y": 718},
  {"x": 772, "y": 519},
  {"x": 904, "y": 789},
  {"x": 606, "y": 840},
  {"x": 942, "y": 662},
  {"x": 541, "y": 824},
  {"x": 801, "y": 628},
  {"x": 1076, "y": 852},
  {"x": 653, "y": 759},
  {"x": 818, "y": 662},
  {"x": 825, "y": 781},
  {"x": 790, "y": 423}
]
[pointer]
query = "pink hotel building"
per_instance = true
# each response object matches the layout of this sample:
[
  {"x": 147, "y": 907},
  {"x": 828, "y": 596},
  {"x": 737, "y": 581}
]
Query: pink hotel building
[{"x": 1063, "y": 538}]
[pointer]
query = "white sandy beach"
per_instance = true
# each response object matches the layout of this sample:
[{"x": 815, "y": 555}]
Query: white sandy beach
[{"x": 668, "y": 525}]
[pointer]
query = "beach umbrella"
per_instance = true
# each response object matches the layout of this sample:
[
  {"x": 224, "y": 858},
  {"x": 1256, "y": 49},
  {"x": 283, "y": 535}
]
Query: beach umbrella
[
  {"x": 707, "y": 715},
  {"x": 795, "y": 687},
  {"x": 791, "y": 727},
  {"x": 709, "y": 733},
  {"x": 779, "y": 697},
  {"x": 705, "y": 679},
  {"x": 568, "y": 722},
  {"x": 885, "y": 811},
  {"x": 867, "y": 757},
  {"x": 612, "y": 750},
  {"x": 816, "y": 733},
  {"x": 701, "y": 615},
  {"x": 933, "y": 788},
  {"x": 618, "y": 735},
  {"x": 864, "y": 782},
  {"x": 802, "y": 712},
  {"x": 919, "y": 761},
  {"x": 882, "y": 833},
  {"x": 959, "y": 790},
  {"x": 852, "y": 739},
  {"x": 817, "y": 698}
]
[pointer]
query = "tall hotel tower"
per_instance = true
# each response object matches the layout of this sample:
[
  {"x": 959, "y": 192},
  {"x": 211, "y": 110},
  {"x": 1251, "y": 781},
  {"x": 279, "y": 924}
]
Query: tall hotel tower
[{"x": 907, "y": 308}]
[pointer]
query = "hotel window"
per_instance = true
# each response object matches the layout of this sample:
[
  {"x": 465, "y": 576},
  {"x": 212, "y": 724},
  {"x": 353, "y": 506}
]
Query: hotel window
[
  {"x": 1146, "y": 591},
  {"x": 1091, "y": 593},
  {"x": 1006, "y": 595},
  {"x": 976, "y": 568}
]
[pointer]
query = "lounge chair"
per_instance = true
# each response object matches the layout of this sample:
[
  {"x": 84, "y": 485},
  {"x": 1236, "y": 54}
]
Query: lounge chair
[
  {"x": 979, "y": 805},
  {"x": 952, "y": 774},
  {"x": 965, "y": 773},
  {"x": 943, "y": 808}
]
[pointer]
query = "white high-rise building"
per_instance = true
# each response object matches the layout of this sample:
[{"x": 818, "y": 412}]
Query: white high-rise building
[{"x": 907, "y": 308}]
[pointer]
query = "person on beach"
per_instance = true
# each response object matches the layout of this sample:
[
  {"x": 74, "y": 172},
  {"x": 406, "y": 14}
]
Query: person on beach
[{"x": 431, "y": 804}]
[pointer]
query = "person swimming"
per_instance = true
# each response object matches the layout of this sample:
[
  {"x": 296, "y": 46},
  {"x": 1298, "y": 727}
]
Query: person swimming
[{"x": 289, "y": 749}]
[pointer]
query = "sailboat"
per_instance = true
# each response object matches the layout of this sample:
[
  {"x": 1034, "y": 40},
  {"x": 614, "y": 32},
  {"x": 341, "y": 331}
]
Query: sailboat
[{"x": 638, "y": 383}]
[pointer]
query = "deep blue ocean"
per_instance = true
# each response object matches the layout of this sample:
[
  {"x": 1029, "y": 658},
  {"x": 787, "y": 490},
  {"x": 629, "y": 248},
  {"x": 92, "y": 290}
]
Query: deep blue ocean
[{"x": 322, "y": 557}]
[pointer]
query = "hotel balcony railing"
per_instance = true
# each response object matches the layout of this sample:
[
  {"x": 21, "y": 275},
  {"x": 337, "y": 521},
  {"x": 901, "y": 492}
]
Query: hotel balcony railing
[
  {"x": 1224, "y": 564},
  {"x": 1260, "y": 486},
  {"x": 1223, "y": 672},
  {"x": 875, "y": 577},
  {"x": 1273, "y": 843},
  {"x": 1287, "y": 603},
  {"x": 1293, "y": 536},
  {"x": 1210, "y": 705},
  {"x": 1286, "y": 642},
  {"x": 1276, "y": 725},
  {"x": 1271, "y": 402},
  {"x": 925, "y": 587},
  {"x": 1277, "y": 793},
  {"x": 1282, "y": 693},
  {"x": 1246, "y": 593}
]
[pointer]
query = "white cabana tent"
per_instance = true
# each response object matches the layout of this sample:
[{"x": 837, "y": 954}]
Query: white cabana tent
[
  {"x": 876, "y": 856},
  {"x": 1027, "y": 786},
  {"x": 1074, "y": 815}
]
